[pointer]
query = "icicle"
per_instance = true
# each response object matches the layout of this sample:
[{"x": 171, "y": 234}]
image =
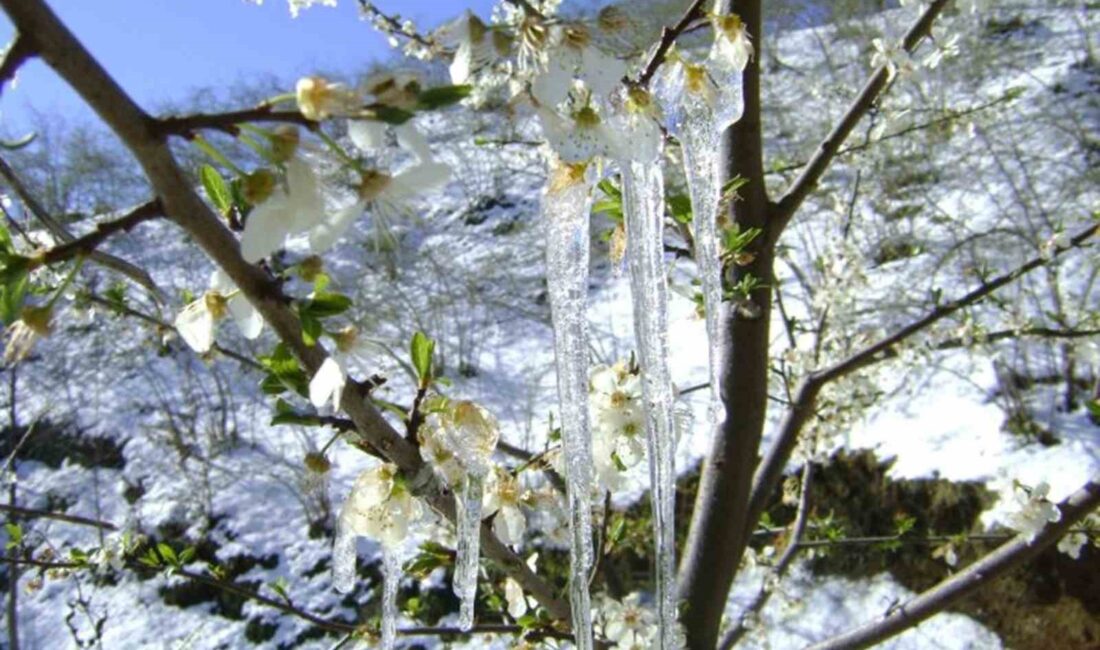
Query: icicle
[
  {"x": 643, "y": 206},
  {"x": 701, "y": 146},
  {"x": 391, "y": 577},
  {"x": 343, "y": 556},
  {"x": 565, "y": 212},
  {"x": 468, "y": 526}
]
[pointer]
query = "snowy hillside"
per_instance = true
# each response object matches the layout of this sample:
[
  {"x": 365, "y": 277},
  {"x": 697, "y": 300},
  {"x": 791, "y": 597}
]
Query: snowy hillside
[{"x": 966, "y": 170}]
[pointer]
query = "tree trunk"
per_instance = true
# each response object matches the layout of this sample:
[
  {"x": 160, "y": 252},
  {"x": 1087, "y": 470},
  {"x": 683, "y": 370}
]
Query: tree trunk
[{"x": 717, "y": 536}]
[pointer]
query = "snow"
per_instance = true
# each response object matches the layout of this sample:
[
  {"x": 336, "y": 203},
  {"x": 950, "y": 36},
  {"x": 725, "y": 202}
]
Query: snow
[{"x": 199, "y": 444}]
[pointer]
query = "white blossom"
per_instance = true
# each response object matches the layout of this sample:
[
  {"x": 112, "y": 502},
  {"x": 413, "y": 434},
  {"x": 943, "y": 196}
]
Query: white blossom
[
  {"x": 572, "y": 55},
  {"x": 1072, "y": 543},
  {"x": 891, "y": 55},
  {"x": 1033, "y": 512},
  {"x": 351, "y": 349},
  {"x": 503, "y": 497},
  {"x": 580, "y": 137},
  {"x": 319, "y": 99},
  {"x": 196, "y": 322},
  {"x": 294, "y": 207},
  {"x": 384, "y": 195},
  {"x": 617, "y": 417}
]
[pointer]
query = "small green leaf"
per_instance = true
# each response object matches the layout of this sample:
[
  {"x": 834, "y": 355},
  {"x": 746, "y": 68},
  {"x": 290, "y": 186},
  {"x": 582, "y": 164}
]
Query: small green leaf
[
  {"x": 679, "y": 206},
  {"x": 422, "y": 348},
  {"x": 285, "y": 414},
  {"x": 12, "y": 292},
  {"x": 216, "y": 189},
  {"x": 311, "y": 329},
  {"x": 280, "y": 587},
  {"x": 150, "y": 559},
  {"x": 168, "y": 554},
  {"x": 441, "y": 96},
  {"x": 387, "y": 114},
  {"x": 325, "y": 305},
  {"x": 187, "y": 554},
  {"x": 15, "y": 535}
]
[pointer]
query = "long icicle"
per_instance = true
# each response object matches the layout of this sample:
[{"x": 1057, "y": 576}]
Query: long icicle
[
  {"x": 391, "y": 577},
  {"x": 701, "y": 146},
  {"x": 468, "y": 517},
  {"x": 565, "y": 213},
  {"x": 643, "y": 206}
]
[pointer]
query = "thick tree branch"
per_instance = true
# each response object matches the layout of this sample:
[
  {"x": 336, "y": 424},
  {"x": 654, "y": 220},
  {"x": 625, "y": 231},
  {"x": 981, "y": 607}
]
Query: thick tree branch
[
  {"x": 715, "y": 539},
  {"x": 67, "y": 56},
  {"x": 87, "y": 244},
  {"x": 228, "y": 122},
  {"x": 770, "y": 473},
  {"x": 827, "y": 151},
  {"x": 59, "y": 231},
  {"x": 1004, "y": 559}
]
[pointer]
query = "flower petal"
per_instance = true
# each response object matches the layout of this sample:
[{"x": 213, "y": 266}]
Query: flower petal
[
  {"x": 195, "y": 325},
  {"x": 326, "y": 233},
  {"x": 327, "y": 384},
  {"x": 266, "y": 227},
  {"x": 367, "y": 135}
]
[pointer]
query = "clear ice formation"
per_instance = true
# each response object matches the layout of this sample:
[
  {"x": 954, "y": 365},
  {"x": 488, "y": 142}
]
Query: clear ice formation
[
  {"x": 643, "y": 207},
  {"x": 566, "y": 214},
  {"x": 468, "y": 528},
  {"x": 391, "y": 578}
]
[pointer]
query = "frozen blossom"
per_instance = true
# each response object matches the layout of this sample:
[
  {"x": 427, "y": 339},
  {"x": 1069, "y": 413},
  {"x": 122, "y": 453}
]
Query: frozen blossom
[
  {"x": 571, "y": 55},
  {"x": 34, "y": 323},
  {"x": 380, "y": 507},
  {"x": 732, "y": 46},
  {"x": 350, "y": 351}
]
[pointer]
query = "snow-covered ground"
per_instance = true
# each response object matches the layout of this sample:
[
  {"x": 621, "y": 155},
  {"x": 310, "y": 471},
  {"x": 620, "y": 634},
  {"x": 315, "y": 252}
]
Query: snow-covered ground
[{"x": 470, "y": 273}]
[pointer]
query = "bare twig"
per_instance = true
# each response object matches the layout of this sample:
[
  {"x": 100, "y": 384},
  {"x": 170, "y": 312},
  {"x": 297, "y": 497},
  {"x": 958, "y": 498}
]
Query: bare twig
[
  {"x": 770, "y": 471},
  {"x": 827, "y": 150},
  {"x": 668, "y": 37},
  {"x": 31, "y": 513},
  {"x": 1005, "y": 558},
  {"x": 58, "y": 230},
  {"x": 392, "y": 25},
  {"x": 228, "y": 122},
  {"x": 87, "y": 244},
  {"x": 793, "y": 546}
]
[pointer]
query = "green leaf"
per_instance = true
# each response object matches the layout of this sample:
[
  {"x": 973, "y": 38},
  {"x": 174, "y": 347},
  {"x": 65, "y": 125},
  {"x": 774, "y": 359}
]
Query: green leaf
[
  {"x": 280, "y": 587},
  {"x": 187, "y": 554},
  {"x": 12, "y": 292},
  {"x": 311, "y": 329},
  {"x": 396, "y": 409},
  {"x": 7, "y": 248},
  {"x": 167, "y": 553},
  {"x": 387, "y": 114},
  {"x": 441, "y": 96},
  {"x": 325, "y": 305},
  {"x": 422, "y": 348},
  {"x": 679, "y": 206},
  {"x": 150, "y": 559},
  {"x": 285, "y": 414},
  {"x": 15, "y": 535},
  {"x": 284, "y": 373},
  {"x": 216, "y": 189}
]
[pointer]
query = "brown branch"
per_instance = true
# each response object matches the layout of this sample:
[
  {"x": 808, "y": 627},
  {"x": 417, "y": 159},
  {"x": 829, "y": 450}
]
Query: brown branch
[
  {"x": 228, "y": 122},
  {"x": 827, "y": 150},
  {"x": 912, "y": 128},
  {"x": 1002, "y": 560},
  {"x": 14, "y": 55},
  {"x": 793, "y": 546},
  {"x": 87, "y": 244},
  {"x": 31, "y": 513},
  {"x": 63, "y": 52},
  {"x": 60, "y": 232},
  {"x": 668, "y": 37},
  {"x": 770, "y": 471}
]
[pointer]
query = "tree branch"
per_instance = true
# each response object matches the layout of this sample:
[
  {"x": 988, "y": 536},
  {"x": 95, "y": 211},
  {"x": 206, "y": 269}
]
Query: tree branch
[
  {"x": 59, "y": 231},
  {"x": 228, "y": 122},
  {"x": 87, "y": 244},
  {"x": 771, "y": 468},
  {"x": 789, "y": 203},
  {"x": 31, "y": 513},
  {"x": 1002, "y": 560},
  {"x": 392, "y": 25},
  {"x": 68, "y": 57},
  {"x": 668, "y": 37},
  {"x": 14, "y": 55}
]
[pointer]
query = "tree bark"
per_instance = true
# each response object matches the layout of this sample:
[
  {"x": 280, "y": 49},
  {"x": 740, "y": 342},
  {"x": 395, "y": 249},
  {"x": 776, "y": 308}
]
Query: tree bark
[{"x": 716, "y": 538}]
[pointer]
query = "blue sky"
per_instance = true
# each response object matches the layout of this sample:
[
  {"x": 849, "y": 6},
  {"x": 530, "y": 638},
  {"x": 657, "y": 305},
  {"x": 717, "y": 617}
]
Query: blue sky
[{"x": 160, "y": 50}]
